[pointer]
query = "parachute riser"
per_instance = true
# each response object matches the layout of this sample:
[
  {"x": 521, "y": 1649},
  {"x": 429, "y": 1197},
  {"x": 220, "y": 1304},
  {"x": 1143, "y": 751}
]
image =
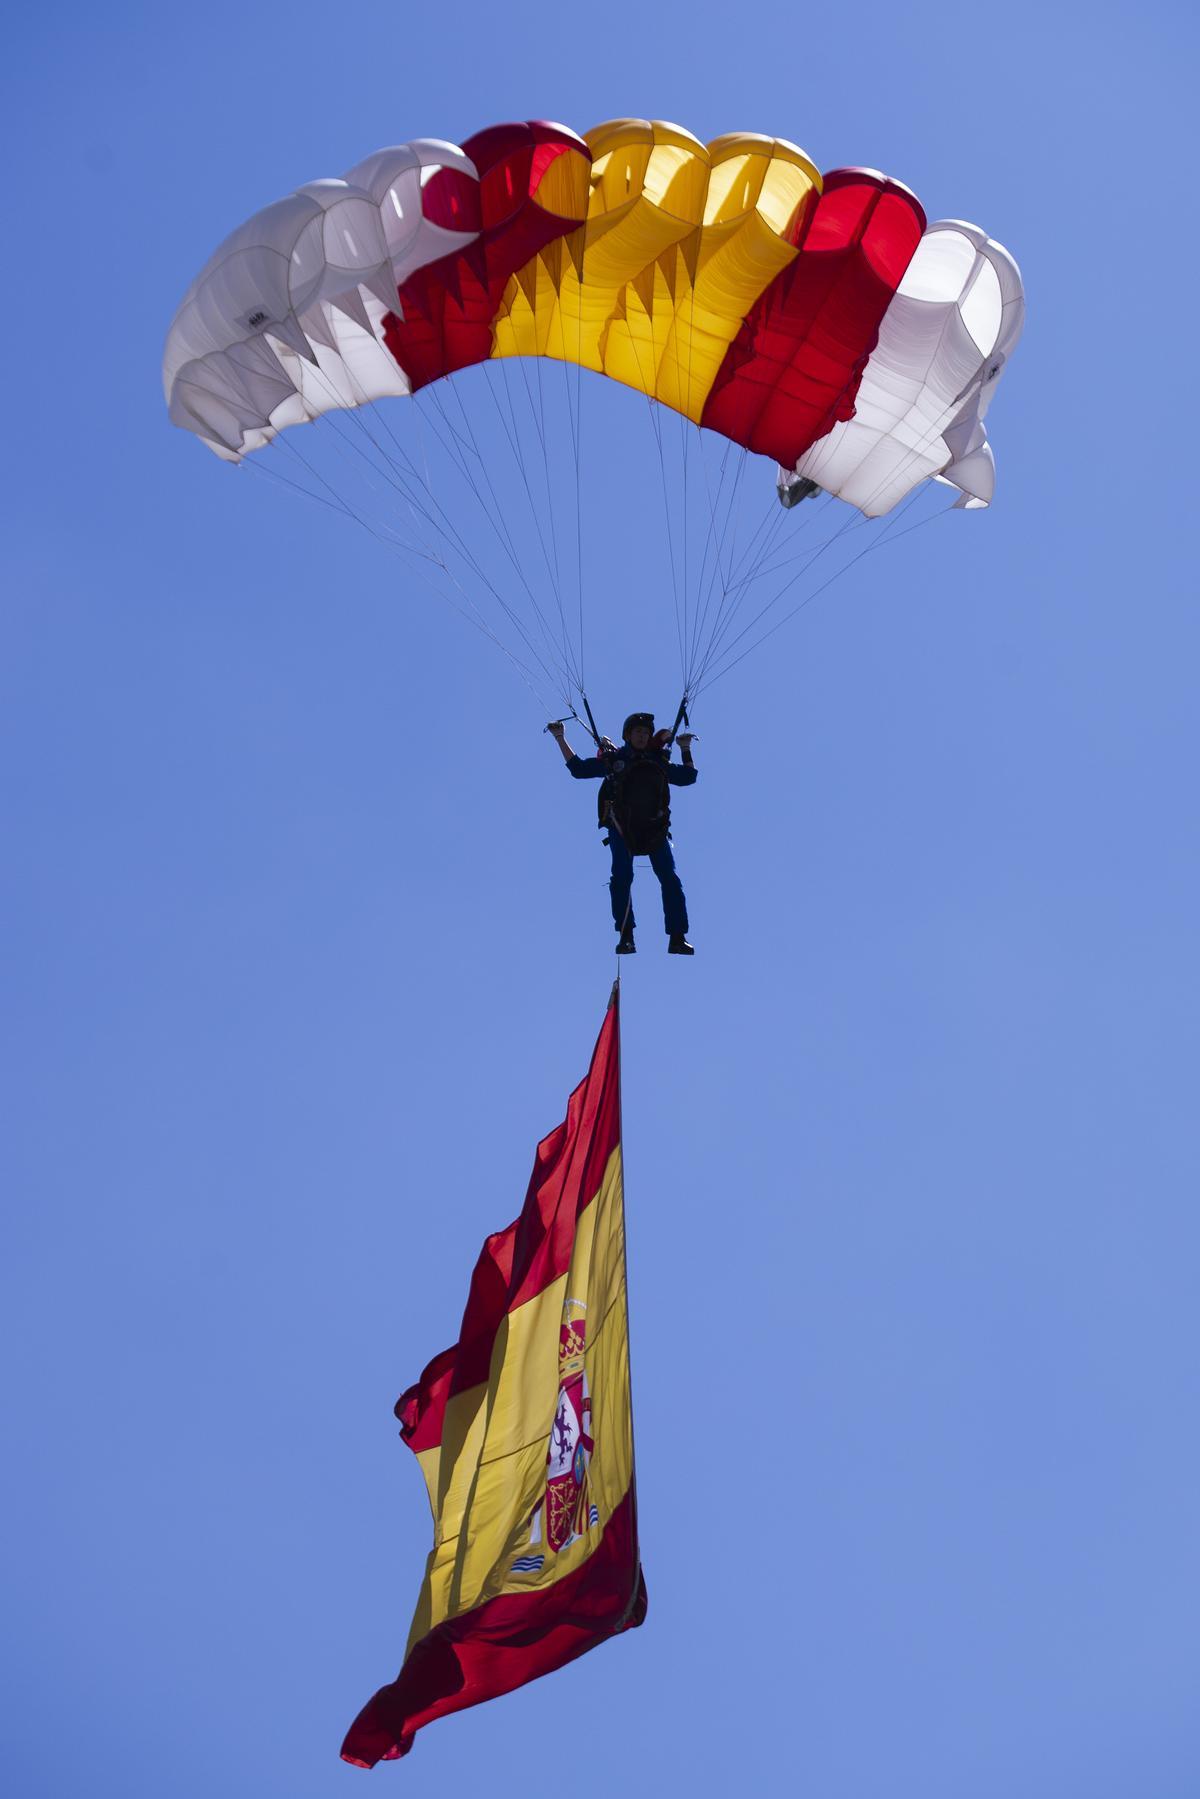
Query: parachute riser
[
  {"x": 591, "y": 723},
  {"x": 681, "y": 718},
  {"x": 588, "y": 722}
]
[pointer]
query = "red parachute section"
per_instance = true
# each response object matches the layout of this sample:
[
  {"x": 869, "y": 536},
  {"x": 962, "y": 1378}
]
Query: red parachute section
[
  {"x": 447, "y": 308},
  {"x": 794, "y": 368}
]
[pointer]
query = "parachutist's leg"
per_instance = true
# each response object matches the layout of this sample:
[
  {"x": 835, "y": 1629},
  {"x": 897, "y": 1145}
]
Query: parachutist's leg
[
  {"x": 621, "y": 880},
  {"x": 675, "y": 917}
]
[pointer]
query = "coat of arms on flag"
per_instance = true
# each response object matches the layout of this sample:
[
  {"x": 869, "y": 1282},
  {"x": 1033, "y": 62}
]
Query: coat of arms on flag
[
  {"x": 524, "y": 1433},
  {"x": 563, "y": 1515}
]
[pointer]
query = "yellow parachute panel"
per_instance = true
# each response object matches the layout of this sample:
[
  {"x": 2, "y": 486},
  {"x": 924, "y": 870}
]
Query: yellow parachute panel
[{"x": 681, "y": 238}]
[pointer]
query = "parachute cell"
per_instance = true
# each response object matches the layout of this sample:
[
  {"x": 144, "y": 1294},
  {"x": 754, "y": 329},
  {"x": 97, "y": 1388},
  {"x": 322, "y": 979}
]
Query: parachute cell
[
  {"x": 943, "y": 344},
  {"x": 811, "y": 319}
]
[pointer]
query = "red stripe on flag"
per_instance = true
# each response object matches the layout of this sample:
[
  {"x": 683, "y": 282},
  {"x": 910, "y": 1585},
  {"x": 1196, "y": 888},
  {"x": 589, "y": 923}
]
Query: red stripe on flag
[
  {"x": 505, "y": 1643},
  {"x": 422, "y": 1407},
  {"x": 793, "y": 370},
  {"x": 517, "y": 1263}
]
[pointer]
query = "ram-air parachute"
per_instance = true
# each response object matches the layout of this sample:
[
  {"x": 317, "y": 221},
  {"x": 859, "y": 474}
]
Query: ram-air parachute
[{"x": 816, "y": 320}]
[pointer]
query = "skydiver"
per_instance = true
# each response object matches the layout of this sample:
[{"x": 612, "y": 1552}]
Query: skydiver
[{"x": 635, "y": 809}]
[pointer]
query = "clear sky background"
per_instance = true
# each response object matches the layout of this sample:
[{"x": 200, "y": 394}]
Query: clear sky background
[{"x": 306, "y": 941}]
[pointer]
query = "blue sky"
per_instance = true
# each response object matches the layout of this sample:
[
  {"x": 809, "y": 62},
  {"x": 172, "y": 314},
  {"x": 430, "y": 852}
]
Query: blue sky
[{"x": 307, "y": 941}]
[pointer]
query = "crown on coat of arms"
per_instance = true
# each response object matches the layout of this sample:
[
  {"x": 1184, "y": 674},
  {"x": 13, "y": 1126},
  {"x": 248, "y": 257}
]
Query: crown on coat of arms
[{"x": 570, "y": 1340}]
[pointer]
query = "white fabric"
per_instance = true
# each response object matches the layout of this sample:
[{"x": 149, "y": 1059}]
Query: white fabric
[
  {"x": 284, "y": 321},
  {"x": 943, "y": 345}
]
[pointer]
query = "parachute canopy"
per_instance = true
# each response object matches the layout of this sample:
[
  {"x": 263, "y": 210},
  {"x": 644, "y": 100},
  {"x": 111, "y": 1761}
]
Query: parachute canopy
[{"x": 815, "y": 319}]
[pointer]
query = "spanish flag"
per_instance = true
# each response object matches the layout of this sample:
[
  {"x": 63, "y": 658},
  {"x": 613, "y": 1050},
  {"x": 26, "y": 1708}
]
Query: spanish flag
[{"x": 524, "y": 1433}]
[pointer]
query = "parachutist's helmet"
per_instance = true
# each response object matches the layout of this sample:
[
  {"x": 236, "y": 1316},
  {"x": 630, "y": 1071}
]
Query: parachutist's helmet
[{"x": 635, "y": 719}]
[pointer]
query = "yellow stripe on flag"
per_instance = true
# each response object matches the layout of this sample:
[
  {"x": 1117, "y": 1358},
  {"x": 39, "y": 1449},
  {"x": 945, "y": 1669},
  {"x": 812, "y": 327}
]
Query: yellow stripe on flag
[{"x": 492, "y": 1465}]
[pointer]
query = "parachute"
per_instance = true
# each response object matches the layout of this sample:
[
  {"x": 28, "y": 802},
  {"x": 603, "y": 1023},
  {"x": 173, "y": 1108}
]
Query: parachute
[{"x": 817, "y": 320}]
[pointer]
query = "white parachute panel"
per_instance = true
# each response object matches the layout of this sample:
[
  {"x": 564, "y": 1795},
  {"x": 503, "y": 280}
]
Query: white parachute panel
[{"x": 919, "y": 411}]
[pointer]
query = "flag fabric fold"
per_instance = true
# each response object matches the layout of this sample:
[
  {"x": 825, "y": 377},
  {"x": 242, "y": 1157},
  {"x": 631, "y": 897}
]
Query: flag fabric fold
[{"x": 524, "y": 1434}]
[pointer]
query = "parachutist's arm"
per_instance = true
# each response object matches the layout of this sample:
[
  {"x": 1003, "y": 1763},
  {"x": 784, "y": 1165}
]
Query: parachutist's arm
[
  {"x": 559, "y": 735},
  {"x": 682, "y": 774},
  {"x": 582, "y": 767}
]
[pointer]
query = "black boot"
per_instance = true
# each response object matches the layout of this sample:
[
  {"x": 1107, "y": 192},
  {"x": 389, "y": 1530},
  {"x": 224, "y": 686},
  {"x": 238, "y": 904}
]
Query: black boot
[
  {"x": 625, "y": 944},
  {"x": 679, "y": 946}
]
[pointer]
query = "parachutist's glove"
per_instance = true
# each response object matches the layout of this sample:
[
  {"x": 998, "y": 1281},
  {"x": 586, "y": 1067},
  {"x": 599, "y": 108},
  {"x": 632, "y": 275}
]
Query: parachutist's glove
[{"x": 558, "y": 731}]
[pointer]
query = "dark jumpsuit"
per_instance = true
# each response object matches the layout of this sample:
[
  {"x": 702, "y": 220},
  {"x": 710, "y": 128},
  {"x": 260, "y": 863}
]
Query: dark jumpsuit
[{"x": 662, "y": 861}]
